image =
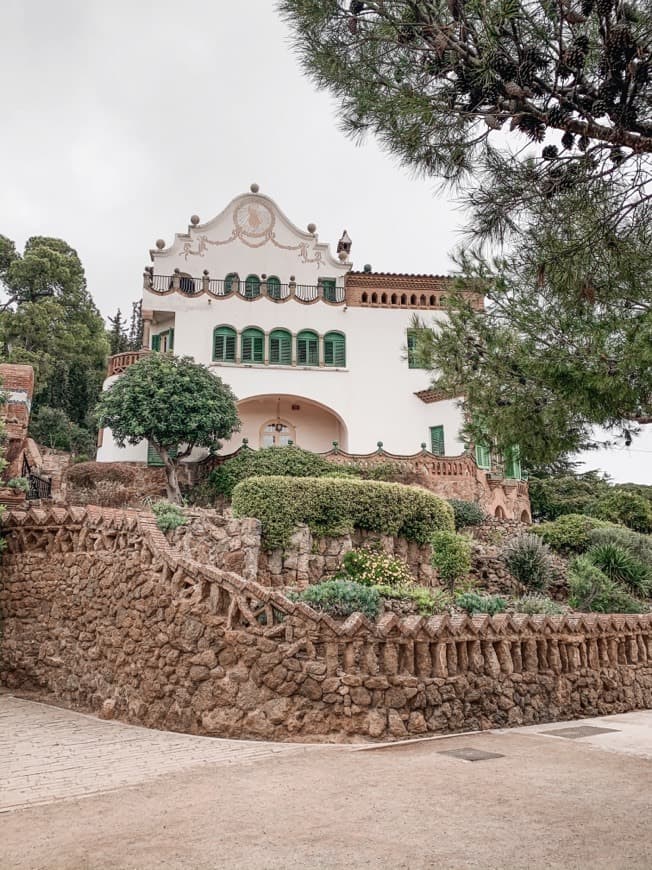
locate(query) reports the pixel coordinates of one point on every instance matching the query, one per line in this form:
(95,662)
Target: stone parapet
(98,608)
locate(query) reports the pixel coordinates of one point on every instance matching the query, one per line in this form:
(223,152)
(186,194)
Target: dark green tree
(173,403)
(49,320)
(541,115)
(117,333)
(135,337)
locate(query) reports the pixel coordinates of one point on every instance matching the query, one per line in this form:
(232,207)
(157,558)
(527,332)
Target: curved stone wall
(98,609)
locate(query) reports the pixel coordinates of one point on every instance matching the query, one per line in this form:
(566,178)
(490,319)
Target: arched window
(422,299)
(413,299)
(280,347)
(252,287)
(383,299)
(403,299)
(252,344)
(433,301)
(394,297)
(273,287)
(224,342)
(335,350)
(365,298)
(374,298)
(328,286)
(277,433)
(231,283)
(307,348)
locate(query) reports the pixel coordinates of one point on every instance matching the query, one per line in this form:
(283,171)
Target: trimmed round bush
(569,533)
(451,556)
(528,559)
(467,513)
(341,598)
(337,506)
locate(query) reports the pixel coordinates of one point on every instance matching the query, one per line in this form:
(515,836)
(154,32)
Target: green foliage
(372,569)
(640,546)
(467,513)
(427,601)
(341,598)
(50,322)
(335,506)
(51,427)
(458,90)
(534,604)
(451,556)
(169,401)
(168,516)
(529,560)
(628,508)
(569,533)
(550,497)
(19,483)
(289,461)
(620,565)
(474,602)
(591,590)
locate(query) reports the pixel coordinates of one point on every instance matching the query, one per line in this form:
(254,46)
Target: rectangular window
(329,289)
(483,456)
(224,347)
(253,348)
(437,440)
(513,464)
(412,349)
(308,352)
(156,342)
(280,349)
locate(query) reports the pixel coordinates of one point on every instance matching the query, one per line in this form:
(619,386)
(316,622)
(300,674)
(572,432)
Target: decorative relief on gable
(253,225)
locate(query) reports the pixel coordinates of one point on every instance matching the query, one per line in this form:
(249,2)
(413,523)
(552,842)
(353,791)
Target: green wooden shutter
(154,457)
(230,282)
(412,348)
(273,287)
(513,463)
(171,339)
(328,289)
(437,440)
(252,287)
(224,344)
(253,346)
(280,348)
(307,349)
(483,456)
(334,350)
(156,342)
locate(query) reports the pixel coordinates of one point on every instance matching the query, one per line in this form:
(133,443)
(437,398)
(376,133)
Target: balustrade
(233,286)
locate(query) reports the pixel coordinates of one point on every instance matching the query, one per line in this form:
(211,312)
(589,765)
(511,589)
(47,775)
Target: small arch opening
(525,517)
(374,299)
(413,299)
(403,299)
(365,298)
(394,298)
(433,301)
(499,513)
(383,299)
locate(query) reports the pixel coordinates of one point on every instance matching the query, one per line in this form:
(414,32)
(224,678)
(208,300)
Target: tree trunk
(171,479)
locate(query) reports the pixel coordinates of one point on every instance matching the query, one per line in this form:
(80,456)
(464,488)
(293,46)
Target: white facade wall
(371,400)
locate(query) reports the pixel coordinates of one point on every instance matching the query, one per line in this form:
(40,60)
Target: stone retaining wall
(100,610)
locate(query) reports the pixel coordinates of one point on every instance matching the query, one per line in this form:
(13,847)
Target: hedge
(337,506)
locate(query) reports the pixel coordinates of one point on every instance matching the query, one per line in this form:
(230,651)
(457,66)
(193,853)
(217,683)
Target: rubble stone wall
(99,609)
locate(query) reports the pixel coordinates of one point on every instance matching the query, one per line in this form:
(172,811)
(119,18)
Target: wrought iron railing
(246,289)
(39,487)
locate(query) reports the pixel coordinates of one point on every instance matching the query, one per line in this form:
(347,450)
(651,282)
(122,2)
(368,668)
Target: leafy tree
(117,334)
(170,401)
(53,428)
(49,321)
(135,337)
(552,497)
(449,86)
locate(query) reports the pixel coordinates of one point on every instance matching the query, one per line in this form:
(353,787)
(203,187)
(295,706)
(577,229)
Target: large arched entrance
(276,420)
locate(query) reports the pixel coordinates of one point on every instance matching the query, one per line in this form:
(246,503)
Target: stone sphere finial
(194,220)
(423,445)
(312,228)
(379,445)
(254,188)
(160,244)
(367,267)
(342,255)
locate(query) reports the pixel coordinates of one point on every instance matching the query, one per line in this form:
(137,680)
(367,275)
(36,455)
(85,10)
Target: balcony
(121,361)
(222,288)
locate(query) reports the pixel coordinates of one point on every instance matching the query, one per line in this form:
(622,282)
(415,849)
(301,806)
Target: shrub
(372,569)
(168,516)
(473,602)
(569,533)
(626,507)
(467,513)
(335,506)
(427,601)
(529,560)
(21,484)
(592,590)
(621,565)
(533,604)
(341,598)
(451,556)
(551,497)
(640,546)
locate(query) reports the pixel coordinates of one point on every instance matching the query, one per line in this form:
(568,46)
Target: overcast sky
(121,119)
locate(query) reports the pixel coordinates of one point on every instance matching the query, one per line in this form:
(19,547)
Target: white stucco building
(314,350)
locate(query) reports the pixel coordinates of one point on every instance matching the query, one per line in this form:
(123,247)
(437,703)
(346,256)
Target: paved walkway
(82,794)
(49,754)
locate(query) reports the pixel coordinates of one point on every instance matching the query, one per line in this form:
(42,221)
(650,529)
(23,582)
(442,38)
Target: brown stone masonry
(98,609)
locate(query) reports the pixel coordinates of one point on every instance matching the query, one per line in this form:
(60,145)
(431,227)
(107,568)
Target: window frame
(437,431)
(252,281)
(226,332)
(278,335)
(310,361)
(335,338)
(483,456)
(257,354)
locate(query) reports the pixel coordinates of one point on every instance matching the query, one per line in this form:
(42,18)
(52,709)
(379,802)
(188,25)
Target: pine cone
(557,116)
(550,152)
(583,143)
(568,140)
